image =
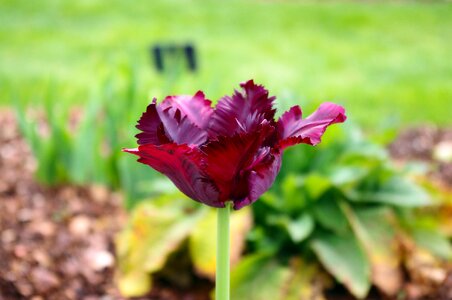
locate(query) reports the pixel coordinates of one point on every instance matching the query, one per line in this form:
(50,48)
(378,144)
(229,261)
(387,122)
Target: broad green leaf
(373,228)
(344,259)
(202,243)
(396,191)
(347,175)
(154,232)
(258,277)
(328,213)
(271,199)
(300,228)
(433,241)
(293,197)
(266,239)
(316,185)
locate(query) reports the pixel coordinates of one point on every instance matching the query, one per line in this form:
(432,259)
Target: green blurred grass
(382,60)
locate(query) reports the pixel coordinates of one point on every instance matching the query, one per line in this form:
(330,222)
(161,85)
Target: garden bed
(58,243)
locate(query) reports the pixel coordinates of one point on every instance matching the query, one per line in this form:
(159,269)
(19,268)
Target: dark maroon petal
(242,112)
(197,108)
(261,176)
(181,164)
(226,157)
(179,128)
(293,129)
(151,127)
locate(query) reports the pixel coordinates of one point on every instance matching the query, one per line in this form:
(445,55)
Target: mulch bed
(58,243)
(55,243)
(426,144)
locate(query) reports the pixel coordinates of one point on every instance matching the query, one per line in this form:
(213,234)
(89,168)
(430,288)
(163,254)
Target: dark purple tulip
(228,153)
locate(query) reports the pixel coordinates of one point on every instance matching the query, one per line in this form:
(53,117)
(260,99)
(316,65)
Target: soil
(58,243)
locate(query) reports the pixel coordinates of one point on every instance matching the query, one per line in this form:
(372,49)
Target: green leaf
(153,233)
(202,242)
(364,153)
(328,213)
(316,185)
(347,175)
(293,197)
(139,182)
(300,228)
(344,259)
(258,277)
(86,142)
(433,241)
(396,191)
(375,232)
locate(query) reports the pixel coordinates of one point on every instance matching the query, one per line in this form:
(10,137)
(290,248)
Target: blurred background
(367,214)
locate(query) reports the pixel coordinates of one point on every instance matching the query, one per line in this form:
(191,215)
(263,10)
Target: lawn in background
(382,60)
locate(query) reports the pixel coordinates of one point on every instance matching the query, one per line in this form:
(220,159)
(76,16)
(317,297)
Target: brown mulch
(424,144)
(57,243)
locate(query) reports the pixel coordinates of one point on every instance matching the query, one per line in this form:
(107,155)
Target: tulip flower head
(230,152)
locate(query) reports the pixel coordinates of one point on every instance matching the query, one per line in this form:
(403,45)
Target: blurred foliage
(159,227)
(366,54)
(340,207)
(345,204)
(82,145)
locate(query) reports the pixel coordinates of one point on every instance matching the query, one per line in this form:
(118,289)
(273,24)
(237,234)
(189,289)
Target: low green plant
(82,145)
(172,223)
(342,208)
(342,212)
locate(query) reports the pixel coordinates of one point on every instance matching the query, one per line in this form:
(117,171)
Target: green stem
(222,275)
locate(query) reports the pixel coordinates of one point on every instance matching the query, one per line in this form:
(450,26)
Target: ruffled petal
(261,177)
(151,127)
(197,108)
(292,129)
(181,164)
(179,128)
(243,112)
(227,157)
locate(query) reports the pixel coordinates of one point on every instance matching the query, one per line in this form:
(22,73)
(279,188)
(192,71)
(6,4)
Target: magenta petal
(293,129)
(181,164)
(197,108)
(179,128)
(261,178)
(242,112)
(151,127)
